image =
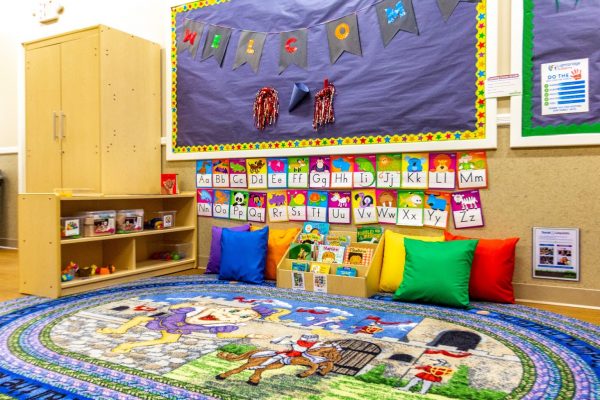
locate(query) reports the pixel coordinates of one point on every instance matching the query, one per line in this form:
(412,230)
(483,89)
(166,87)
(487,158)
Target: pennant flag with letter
(250,48)
(216,43)
(189,37)
(395,16)
(293,49)
(342,35)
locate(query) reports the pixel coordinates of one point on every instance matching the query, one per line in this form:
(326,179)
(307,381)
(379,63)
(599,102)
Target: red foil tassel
(324,113)
(266,107)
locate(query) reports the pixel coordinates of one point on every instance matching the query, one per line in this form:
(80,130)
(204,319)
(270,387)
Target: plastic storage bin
(98,223)
(130,221)
(171,251)
(161,220)
(71,227)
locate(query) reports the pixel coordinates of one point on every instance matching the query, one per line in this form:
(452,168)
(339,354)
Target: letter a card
(437,209)
(277,172)
(410,208)
(257,207)
(365,174)
(221,202)
(472,170)
(414,170)
(298,172)
(442,171)
(257,173)
(363,206)
(237,173)
(277,206)
(339,207)
(466,209)
(297,204)
(341,172)
(389,171)
(204,174)
(387,206)
(204,199)
(320,172)
(220,173)
(239,205)
(316,209)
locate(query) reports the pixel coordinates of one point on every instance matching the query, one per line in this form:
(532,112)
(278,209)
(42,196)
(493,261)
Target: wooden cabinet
(43,254)
(93,113)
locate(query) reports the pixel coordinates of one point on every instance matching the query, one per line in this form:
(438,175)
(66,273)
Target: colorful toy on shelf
(106,270)
(68,273)
(86,271)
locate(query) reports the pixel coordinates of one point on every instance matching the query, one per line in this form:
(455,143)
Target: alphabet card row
(438,171)
(362,206)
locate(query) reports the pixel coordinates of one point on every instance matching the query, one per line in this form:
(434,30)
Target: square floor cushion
(437,272)
(214,259)
(393,259)
(243,255)
(279,242)
(493,267)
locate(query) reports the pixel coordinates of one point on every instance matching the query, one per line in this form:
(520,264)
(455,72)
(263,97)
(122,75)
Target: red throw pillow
(492,270)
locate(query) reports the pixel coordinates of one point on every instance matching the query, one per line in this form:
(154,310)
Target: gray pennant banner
(216,43)
(188,38)
(249,50)
(447,7)
(342,35)
(293,49)
(395,16)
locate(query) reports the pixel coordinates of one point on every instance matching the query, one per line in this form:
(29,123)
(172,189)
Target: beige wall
(8,201)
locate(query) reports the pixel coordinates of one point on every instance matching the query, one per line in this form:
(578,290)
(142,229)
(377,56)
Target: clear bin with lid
(71,227)
(98,223)
(160,220)
(129,221)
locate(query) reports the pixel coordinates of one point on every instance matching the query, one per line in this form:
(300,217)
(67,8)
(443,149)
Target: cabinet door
(80,125)
(42,102)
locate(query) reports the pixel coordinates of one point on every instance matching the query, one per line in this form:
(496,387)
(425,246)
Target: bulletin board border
(483,137)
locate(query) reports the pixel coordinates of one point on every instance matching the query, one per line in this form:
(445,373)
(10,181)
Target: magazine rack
(365,284)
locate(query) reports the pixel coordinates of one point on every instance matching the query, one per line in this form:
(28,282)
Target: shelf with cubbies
(137,254)
(365,284)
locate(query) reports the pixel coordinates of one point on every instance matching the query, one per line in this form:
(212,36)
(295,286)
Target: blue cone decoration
(299,93)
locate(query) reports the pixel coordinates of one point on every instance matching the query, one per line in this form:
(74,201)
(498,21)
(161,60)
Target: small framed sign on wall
(556,253)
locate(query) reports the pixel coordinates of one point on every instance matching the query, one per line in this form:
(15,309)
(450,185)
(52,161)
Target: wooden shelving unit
(43,254)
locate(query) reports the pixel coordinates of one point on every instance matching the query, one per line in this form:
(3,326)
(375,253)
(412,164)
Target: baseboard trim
(552,303)
(557,295)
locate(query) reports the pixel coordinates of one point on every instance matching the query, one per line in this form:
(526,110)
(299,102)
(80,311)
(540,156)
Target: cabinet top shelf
(116,197)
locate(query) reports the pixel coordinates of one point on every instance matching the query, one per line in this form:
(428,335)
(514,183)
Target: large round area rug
(189,337)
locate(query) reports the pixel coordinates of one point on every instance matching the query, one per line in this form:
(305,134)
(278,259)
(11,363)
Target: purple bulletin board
(421,91)
(555,32)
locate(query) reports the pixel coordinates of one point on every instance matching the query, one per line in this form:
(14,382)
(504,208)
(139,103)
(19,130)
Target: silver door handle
(54,117)
(62,125)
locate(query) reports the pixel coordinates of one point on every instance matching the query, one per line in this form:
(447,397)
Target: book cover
(237,173)
(358,256)
(387,206)
(257,207)
(389,171)
(338,240)
(204,174)
(239,205)
(319,268)
(316,209)
(221,202)
(369,234)
(204,199)
(319,228)
(169,184)
(300,251)
(298,172)
(220,172)
(466,209)
(320,172)
(342,168)
(331,254)
(277,206)
(312,238)
(339,207)
(296,199)
(299,266)
(365,173)
(414,170)
(437,209)
(410,207)
(257,173)
(277,172)
(472,170)
(363,206)
(442,171)
(346,271)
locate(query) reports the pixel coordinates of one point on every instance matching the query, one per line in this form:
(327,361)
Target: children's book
(300,251)
(346,271)
(320,228)
(338,240)
(369,234)
(299,266)
(331,254)
(358,256)
(310,238)
(169,184)
(319,268)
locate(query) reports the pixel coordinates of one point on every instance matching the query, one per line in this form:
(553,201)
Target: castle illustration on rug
(268,348)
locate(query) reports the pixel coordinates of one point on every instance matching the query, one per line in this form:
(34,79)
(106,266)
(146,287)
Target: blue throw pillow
(244,255)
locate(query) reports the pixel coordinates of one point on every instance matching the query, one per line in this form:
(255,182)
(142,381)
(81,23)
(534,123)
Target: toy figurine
(68,273)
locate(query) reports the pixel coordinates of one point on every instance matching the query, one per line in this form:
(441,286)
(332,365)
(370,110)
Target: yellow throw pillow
(394,255)
(279,242)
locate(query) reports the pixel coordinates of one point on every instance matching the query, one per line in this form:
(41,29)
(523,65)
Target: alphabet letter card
(277,172)
(339,207)
(220,170)
(365,174)
(239,205)
(387,206)
(341,172)
(203,173)
(442,170)
(277,206)
(437,209)
(414,170)
(320,172)
(257,173)
(298,172)
(221,203)
(472,170)
(466,209)
(410,208)
(296,204)
(204,199)
(237,173)
(363,206)
(316,209)
(257,207)
(389,171)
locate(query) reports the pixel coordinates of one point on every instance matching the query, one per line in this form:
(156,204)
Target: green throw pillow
(437,272)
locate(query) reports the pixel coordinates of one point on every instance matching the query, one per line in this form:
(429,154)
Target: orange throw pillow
(279,242)
(492,270)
